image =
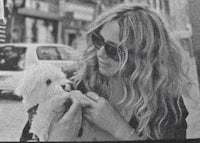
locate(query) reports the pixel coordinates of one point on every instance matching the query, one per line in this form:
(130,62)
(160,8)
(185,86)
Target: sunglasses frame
(110,47)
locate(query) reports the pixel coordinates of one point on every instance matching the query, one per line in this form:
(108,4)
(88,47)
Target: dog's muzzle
(68,87)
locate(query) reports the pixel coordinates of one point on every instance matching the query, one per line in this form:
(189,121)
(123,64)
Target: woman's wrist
(125,132)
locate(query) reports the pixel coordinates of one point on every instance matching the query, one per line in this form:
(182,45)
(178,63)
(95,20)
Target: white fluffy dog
(40,83)
(46,86)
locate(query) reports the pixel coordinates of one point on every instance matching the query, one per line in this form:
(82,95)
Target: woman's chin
(106,72)
(103,71)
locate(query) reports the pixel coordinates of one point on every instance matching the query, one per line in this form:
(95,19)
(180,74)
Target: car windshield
(12,58)
(54,53)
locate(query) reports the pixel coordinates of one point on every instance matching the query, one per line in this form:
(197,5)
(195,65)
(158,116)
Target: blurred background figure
(11,59)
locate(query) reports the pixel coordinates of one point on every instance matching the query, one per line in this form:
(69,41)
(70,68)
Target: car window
(12,58)
(53,53)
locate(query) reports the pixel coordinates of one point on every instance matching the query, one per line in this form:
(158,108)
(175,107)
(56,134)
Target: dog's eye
(48,82)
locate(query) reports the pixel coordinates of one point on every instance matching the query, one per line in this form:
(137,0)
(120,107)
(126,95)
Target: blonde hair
(150,68)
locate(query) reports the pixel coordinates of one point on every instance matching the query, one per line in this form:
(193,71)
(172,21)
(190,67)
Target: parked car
(15,58)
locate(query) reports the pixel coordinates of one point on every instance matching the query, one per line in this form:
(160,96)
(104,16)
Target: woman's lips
(103,63)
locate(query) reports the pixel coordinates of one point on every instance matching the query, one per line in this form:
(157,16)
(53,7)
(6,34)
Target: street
(12,119)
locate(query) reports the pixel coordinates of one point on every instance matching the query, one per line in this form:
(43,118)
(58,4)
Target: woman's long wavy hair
(150,68)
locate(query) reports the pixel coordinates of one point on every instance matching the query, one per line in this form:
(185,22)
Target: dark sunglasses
(110,47)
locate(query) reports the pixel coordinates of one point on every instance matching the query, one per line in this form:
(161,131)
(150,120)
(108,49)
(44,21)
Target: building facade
(33,21)
(49,21)
(76,16)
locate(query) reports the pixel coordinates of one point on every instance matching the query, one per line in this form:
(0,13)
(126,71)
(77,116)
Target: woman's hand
(99,112)
(68,126)
(102,114)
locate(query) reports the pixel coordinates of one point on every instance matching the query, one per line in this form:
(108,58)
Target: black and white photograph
(100,70)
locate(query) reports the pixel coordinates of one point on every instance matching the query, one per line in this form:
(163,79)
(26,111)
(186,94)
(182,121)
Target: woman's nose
(101,52)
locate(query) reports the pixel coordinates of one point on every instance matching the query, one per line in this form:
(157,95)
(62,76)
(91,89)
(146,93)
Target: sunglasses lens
(111,51)
(97,41)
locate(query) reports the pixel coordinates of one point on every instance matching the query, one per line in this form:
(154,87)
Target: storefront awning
(38,14)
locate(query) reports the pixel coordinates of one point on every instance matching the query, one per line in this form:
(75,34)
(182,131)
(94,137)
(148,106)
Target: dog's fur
(42,85)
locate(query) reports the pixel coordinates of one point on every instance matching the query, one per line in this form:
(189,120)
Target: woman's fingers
(73,110)
(87,117)
(87,113)
(93,96)
(84,100)
(68,127)
(75,93)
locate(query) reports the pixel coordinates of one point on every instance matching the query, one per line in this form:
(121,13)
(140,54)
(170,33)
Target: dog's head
(40,83)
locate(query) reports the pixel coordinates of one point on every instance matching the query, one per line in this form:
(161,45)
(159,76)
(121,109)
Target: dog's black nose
(63,86)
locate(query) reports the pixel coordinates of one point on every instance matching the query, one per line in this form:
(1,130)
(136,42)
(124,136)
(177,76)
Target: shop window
(148,2)
(34,31)
(167,9)
(72,37)
(161,4)
(154,4)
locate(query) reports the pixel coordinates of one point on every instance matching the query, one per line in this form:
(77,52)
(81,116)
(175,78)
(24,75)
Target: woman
(132,68)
